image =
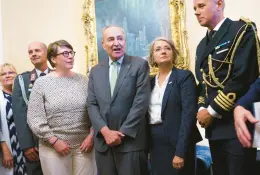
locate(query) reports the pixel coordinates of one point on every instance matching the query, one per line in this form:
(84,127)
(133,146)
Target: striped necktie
(113,77)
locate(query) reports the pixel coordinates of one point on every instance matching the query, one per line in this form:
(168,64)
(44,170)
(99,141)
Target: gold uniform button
(203,82)
(201,70)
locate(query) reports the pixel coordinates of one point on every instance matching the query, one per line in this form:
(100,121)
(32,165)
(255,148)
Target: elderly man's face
(114,42)
(37,53)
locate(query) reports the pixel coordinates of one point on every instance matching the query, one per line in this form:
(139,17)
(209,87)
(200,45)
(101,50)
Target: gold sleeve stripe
(221,105)
(220,98)
(226,97)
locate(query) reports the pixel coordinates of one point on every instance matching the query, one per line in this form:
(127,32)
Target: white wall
(25,21)
(1,35)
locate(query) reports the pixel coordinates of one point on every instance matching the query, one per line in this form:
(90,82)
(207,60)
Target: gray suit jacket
(125,110)
(25,136)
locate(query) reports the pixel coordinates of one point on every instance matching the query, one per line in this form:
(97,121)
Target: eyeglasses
(66,53)
(7,73)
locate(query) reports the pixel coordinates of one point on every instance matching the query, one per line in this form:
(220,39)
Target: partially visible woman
(13,161)
(172,113)
(57,114)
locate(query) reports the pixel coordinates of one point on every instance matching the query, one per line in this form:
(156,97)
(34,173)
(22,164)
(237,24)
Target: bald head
(38,55)
(40,44)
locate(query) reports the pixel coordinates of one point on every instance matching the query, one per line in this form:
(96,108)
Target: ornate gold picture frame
(177,25)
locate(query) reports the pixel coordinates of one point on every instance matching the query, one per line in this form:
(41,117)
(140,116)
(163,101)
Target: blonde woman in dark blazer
(172,113)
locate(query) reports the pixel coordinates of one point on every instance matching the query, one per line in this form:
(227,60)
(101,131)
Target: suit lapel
(125,67)
(216,39)
(104,78)
(172,80)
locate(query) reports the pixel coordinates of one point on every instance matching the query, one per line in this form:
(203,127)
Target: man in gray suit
(22,88)
(118,96)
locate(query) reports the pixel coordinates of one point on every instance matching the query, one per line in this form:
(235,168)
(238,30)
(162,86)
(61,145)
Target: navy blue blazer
(253,95)
(179,109)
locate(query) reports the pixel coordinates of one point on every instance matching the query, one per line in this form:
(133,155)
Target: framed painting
(142,20)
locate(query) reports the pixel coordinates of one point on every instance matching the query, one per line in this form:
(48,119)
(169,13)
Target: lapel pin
(33,77)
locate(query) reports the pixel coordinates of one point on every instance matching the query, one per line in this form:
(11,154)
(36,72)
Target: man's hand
(7,159)
(204,118)
(177,162)
(241,115)
(87,144)
(112,137)
(32,154)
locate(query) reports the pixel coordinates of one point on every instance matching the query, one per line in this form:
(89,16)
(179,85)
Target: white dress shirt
(38,72)
(119,61)
(155,106)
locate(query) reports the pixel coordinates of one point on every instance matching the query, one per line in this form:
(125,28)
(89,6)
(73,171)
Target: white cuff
(213,112)
(2,137)
(201,108)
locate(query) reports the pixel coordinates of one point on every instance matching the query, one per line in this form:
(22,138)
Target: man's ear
(103,45)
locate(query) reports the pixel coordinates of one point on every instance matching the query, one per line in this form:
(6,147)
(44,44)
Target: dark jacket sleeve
(93,108)
(253,95)
(189,111)
(24,133)
(140,103)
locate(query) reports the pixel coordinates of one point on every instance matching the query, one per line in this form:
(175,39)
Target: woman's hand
(7,161)
(87,144)
(60,146)
(177,162)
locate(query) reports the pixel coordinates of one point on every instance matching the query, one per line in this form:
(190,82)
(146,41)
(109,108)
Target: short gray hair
(109,26)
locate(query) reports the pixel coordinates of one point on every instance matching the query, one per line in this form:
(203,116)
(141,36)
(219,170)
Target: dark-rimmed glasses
(66,53)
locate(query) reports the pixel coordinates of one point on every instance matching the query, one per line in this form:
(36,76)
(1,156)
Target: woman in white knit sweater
(57,114)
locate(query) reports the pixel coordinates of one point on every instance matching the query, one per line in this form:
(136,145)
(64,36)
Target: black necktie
(211,34)
(42,74)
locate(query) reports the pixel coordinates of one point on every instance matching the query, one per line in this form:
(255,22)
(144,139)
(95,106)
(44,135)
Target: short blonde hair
(8,65)
(175,52)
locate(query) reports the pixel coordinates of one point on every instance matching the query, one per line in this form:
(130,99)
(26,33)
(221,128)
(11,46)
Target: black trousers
(231,158)
(33,168)
(163,152)
(121,163)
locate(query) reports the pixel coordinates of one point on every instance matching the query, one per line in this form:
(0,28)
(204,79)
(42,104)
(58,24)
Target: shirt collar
(38,72)
(166,79)
(120,60)
(219,24)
